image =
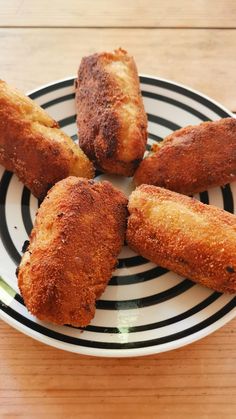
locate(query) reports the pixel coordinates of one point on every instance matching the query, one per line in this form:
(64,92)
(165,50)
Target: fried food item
(74,245)
(111,119)
(179,233)
(193,159)
(32,145)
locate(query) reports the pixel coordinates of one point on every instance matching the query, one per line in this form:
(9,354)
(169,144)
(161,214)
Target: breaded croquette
(111,119)
(32,145)
(193,159)
(179,233)
(74,245)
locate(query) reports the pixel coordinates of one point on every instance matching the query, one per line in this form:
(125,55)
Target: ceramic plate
(145,309)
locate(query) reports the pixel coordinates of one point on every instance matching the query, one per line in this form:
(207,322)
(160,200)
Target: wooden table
(189,42)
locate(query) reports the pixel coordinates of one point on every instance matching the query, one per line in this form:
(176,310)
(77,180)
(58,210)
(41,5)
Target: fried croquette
(32,145)
(179,233)
(111,120)
(74,245)
(193,159)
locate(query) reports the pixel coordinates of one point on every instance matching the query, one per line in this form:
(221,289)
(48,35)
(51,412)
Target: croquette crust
(179,233)
(32,145)
(193,159)
(111,118)
(78,234)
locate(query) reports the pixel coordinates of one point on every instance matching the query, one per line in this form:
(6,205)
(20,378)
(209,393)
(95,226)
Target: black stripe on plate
(52,88)
(58,100)
(148,81)
(175,319)
(138,277)
(146,301)
(132,261)
(138,302)
(153,118)
(154,137)
(74,137)
(192,95)
(127,279)
(163,122)
(176,103)
(150,135)
(19,299)
(150,95)
(228,198)
(67,121)
(204,198)
(112,345)
(25,213)
(4,233)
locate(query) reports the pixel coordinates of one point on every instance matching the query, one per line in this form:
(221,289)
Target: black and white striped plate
(145,309)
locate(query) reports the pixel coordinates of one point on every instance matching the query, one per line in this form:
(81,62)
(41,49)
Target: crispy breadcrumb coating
(33,146)
(179,233)
(74,245)
(193,159)
(111,119)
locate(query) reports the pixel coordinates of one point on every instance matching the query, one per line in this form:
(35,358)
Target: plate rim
(130,352)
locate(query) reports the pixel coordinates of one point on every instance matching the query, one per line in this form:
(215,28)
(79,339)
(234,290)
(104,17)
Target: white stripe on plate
(70,129)
(141,289)
(126,320)
(158,129)
(215,197)
(5,297)
(47,97)
(233,190)
(58,111)
(14,220)
(193,103)
(176,114)
(33,207)
(138,316)
(132,270)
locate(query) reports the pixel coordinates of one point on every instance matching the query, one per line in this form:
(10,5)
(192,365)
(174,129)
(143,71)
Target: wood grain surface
(196,381)
(186,41)
(122,13)
(202,59)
